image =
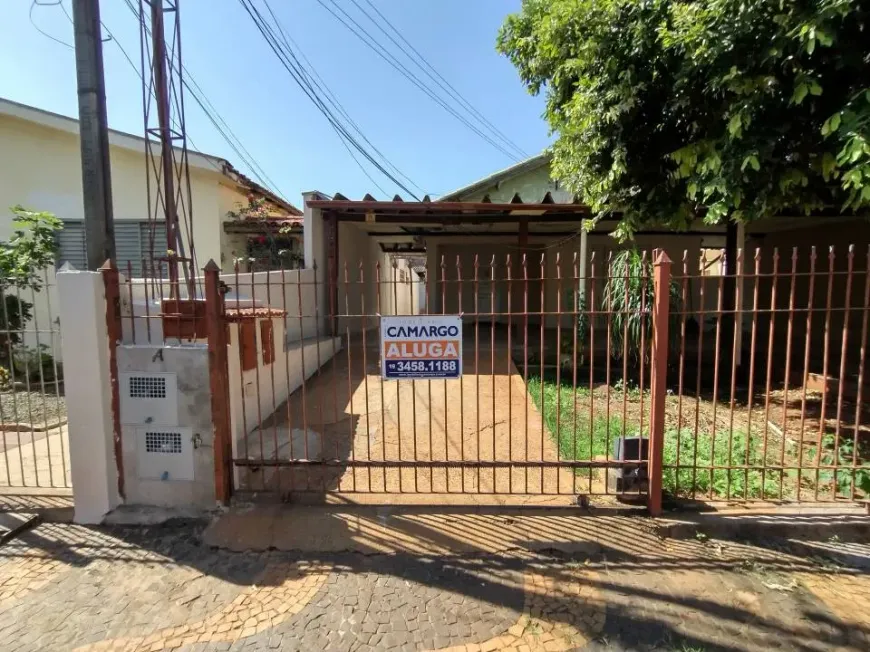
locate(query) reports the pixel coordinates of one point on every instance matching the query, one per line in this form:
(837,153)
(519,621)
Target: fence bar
(113,328)
(662,282)
(218,369)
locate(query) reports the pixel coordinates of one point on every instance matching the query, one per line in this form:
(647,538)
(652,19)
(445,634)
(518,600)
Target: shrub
(629,293)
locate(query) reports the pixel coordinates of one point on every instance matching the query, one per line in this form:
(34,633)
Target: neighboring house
(42,171)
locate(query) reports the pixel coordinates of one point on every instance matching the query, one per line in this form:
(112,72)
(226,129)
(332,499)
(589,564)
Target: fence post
(216,327)
(661,286)
(113,327)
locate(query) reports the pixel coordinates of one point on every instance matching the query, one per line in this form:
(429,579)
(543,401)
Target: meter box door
(149,398)
(164,453)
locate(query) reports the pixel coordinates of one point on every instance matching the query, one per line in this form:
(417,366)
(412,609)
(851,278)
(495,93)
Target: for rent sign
(423,346)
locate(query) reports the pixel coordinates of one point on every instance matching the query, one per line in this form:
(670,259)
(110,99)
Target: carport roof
(399,210)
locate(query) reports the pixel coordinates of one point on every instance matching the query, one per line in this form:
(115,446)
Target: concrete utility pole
(93,134)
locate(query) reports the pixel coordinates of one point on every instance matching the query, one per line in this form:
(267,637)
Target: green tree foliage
(723,109)
(23,259)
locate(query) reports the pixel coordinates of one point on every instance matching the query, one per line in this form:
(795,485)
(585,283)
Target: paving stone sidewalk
(67,587)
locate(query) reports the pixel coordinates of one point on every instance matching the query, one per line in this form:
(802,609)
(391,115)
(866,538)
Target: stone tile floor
(69,587)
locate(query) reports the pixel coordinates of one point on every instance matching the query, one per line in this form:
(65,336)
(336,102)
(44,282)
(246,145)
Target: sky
(281,128)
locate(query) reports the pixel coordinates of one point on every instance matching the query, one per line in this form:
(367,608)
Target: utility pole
(166,151)
(93,134)
(161,90)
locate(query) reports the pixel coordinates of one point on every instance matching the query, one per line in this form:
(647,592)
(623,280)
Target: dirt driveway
(347,413)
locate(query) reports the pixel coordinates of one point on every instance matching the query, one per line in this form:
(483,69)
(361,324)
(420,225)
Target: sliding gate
(540,407)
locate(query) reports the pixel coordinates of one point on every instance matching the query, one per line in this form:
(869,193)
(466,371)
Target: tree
(670,111)
(23,260)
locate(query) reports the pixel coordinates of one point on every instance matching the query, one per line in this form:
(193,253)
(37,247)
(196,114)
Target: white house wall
(41,170)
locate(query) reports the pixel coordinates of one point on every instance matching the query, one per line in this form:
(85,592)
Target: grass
(580,437)
(704,452)
(560,409)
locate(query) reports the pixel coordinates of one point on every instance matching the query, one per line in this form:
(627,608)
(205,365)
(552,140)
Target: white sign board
(421,346)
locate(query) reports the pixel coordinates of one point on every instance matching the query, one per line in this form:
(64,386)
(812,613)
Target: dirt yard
(346,413)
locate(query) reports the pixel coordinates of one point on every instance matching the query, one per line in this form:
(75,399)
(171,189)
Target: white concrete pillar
(314,246)
(85,346)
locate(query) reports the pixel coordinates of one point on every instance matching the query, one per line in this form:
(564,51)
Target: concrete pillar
(314,247)
(85,346)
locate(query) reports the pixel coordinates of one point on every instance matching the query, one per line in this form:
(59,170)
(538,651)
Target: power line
(438,78)
(387,56)
(307,84)
(217,121)
(318,81)
(135,68)
(302,81)
(34,5)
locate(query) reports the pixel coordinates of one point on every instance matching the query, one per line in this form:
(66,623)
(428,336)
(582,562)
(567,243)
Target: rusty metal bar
(383,401)
(789,332)
(288,401)
(719,294)
(257,366)
(53,330)
(218,368)
(735,338)
(305,436)
(492,294)
(393,266)
(681,368)
(860,394)
(842,375)
(429,387)
(770,340)
(661,288)
(558,433)
(591,364)
(752,348)
(364,328)
(351,424)
(825,359)
(113,329)
(575,288)
(526,363)
(508,267)
(542,354)
(806,369)
(414,396)
(459,281)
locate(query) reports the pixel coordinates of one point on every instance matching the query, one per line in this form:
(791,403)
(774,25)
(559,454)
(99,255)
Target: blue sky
(275,121)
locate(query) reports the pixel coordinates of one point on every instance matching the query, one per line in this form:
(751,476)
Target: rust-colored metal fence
(33,416)
(777,409)
(629,375)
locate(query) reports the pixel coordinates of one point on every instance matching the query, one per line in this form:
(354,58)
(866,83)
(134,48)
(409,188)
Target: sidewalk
(609,583)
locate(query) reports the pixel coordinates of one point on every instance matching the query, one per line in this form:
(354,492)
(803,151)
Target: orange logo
(416,349)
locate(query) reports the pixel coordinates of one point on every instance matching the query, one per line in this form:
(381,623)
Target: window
(132,243)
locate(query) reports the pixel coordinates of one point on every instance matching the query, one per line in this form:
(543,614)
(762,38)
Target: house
(522,213)
(46,176)
(41,170)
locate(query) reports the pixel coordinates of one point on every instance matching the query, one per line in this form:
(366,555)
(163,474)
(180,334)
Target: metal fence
(776,410)
(629,375)
(33,414)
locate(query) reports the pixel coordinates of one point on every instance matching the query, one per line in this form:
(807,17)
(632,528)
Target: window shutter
(71,245)
(127,247)
(132,243)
